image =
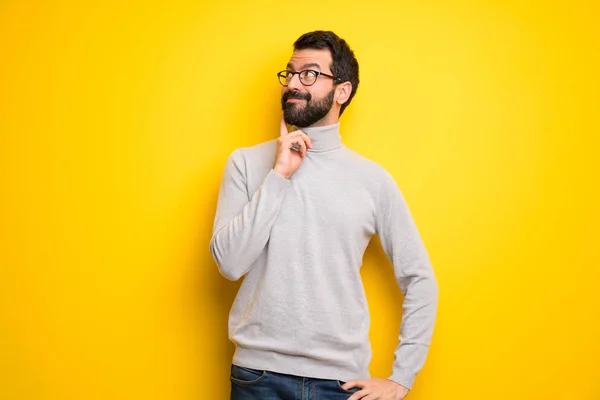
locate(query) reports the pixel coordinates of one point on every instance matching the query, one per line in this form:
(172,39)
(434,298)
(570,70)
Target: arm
(242,223)
(402,243)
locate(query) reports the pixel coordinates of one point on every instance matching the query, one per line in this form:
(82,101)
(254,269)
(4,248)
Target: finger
(299,142)
(307,139)
(283,127)
(302,145)
(361,394)
(288,143)
(353,384)
(371,396)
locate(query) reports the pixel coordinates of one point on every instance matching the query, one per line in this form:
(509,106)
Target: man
(294,217)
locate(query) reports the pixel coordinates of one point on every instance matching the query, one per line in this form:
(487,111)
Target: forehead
(310,58)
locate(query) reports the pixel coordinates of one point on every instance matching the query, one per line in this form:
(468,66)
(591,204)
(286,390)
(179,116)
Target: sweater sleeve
(242,223)
(402,244)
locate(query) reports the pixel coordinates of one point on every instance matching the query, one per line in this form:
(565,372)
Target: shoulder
(367,169)
(258,154)
(379,181)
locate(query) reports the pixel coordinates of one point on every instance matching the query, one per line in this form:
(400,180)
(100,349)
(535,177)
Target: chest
(330,202)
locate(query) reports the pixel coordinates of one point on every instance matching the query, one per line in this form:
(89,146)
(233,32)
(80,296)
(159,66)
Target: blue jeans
(252,384)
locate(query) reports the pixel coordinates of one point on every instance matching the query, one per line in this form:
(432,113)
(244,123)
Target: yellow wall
(115,123)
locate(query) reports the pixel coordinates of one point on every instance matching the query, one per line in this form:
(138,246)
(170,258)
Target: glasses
(307,77)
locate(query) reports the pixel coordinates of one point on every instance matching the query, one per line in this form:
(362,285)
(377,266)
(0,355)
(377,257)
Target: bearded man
(294,217)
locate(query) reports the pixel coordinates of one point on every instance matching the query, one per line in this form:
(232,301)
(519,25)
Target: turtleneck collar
(324,138)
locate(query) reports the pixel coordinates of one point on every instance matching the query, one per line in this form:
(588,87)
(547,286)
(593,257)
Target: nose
(294,83)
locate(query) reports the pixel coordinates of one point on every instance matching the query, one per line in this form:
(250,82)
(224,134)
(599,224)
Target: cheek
(314,94)
(319,92)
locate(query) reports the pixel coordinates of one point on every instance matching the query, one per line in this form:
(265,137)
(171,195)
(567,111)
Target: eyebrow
(305,66)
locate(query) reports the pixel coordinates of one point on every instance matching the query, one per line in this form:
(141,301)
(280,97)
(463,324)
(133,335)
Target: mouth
(294,100)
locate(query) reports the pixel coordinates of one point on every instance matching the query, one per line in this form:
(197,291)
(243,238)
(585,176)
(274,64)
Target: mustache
(295,95)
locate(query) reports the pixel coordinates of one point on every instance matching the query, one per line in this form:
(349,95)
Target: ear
(342,92)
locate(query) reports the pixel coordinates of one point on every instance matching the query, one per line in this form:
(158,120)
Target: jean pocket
(246,376)
(341,383)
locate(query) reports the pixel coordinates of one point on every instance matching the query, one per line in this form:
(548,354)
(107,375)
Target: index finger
(353,384)
(283,127)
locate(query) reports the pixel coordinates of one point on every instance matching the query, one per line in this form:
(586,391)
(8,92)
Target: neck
(324,138)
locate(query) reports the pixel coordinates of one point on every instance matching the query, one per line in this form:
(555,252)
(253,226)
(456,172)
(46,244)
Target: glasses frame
(282,75)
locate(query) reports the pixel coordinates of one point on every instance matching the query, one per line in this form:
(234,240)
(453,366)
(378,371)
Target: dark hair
(344,64)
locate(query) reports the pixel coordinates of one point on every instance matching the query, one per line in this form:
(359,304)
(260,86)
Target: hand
(288,160)
(376,389)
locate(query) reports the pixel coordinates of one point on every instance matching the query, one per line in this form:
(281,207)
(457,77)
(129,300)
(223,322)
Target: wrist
(281,173)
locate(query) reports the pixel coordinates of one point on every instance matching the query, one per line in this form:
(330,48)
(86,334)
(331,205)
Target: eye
(308,74)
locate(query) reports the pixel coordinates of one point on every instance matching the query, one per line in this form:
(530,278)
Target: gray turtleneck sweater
(299,244)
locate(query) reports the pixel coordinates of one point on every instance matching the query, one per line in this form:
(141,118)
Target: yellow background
(116,119)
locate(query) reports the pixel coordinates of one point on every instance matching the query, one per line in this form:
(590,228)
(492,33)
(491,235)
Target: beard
(313,111)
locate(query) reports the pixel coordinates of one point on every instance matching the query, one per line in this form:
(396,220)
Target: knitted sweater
(299,244)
